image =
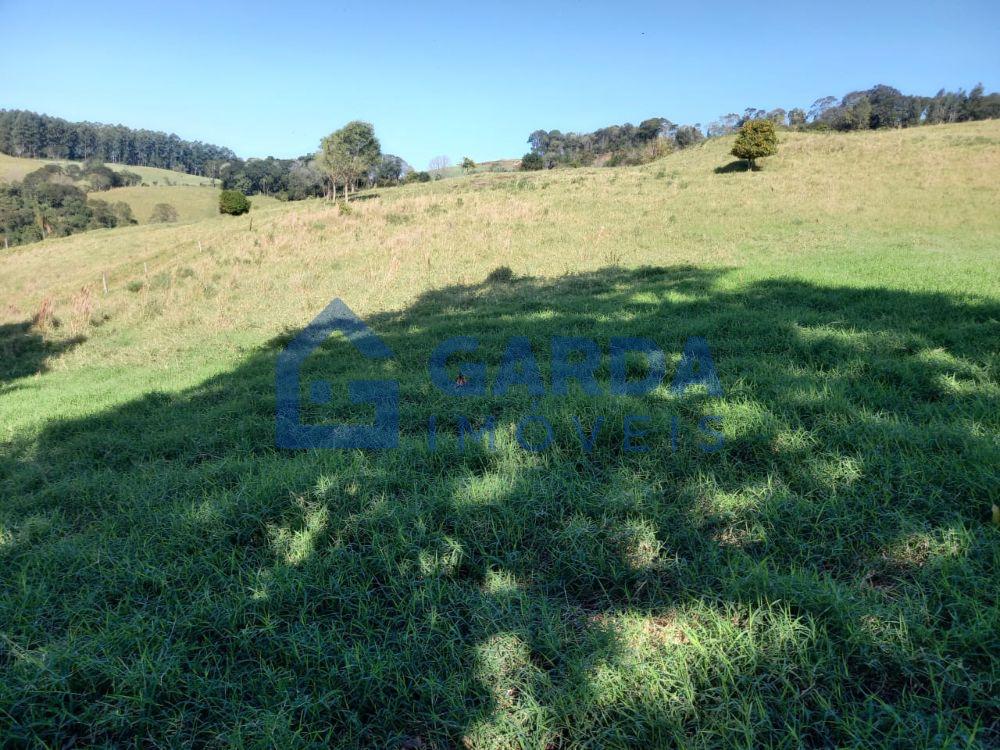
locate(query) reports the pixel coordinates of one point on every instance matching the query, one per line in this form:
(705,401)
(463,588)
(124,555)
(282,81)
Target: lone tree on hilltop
(757,138)
(468,165)
(347,154)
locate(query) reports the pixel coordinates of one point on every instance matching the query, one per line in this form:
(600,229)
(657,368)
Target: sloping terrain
(192,203)
(194,197)
(826,578)
(13,168)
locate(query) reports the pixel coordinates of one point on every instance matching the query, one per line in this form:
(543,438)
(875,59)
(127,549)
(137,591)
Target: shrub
(163,213)
(101,215)
(233,202)
(757,138)
(531,162)
(500,275)
(123,212)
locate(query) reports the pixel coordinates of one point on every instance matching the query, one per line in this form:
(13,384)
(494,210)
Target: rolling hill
(193,203)
(194,197)
(825,578)
(13,168)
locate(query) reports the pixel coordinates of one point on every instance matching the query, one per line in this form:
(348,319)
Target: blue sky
(466,78)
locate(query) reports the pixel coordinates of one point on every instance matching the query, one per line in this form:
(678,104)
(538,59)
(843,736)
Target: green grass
(194,197)
(192,203)
(13,168)
(827,579)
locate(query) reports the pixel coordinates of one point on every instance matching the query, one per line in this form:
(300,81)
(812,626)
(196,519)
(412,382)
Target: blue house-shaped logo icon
(384,394)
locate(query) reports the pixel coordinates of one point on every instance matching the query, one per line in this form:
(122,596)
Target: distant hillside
(497,165)
(44,199)
(13,169)
(192,202)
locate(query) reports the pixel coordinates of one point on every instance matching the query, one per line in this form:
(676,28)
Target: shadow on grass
(740,165)
(24,351)
(362,196)
(171,577)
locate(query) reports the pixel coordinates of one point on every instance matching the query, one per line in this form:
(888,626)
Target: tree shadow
(170,576)
(740,165)
(24,351)
(365,195)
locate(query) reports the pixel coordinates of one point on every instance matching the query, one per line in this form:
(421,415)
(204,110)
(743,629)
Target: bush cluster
(233,202)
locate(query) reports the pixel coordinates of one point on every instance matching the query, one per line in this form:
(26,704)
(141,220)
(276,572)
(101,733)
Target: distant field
(192,196)
(13,168)
(828,578)
(192,203)
(499,165)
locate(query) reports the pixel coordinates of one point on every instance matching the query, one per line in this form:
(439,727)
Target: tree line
(311,176)
(624,144)
(32,135)
(878,107)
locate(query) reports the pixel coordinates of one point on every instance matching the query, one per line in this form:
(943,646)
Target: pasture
(827,578)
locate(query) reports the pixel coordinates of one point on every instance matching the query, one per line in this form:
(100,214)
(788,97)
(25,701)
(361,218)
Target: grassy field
(192,203)
(486,167)
(194,197)
(13,168)
(828,578)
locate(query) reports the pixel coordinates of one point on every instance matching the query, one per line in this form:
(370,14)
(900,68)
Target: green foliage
(757,139)
(18,219)
(390,170)
(104,215)
(626,144)
(688,135)
(163,213)
(293,179)
(468,164)
(828,579)
(47,204)
(94,175)
(24,133)
(99,176)
(644,154)
(123,213)
(347,154)
(500,275)
(233,202)
(101,215)
(531,162)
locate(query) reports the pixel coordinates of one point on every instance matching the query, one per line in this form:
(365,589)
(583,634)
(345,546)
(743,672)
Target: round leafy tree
(233,202)
(531,161)
(757,139)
